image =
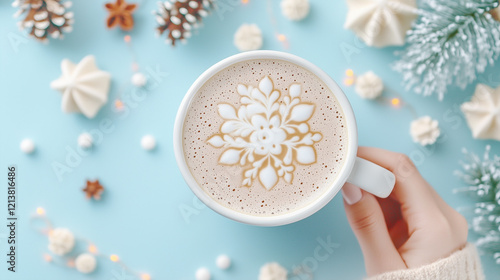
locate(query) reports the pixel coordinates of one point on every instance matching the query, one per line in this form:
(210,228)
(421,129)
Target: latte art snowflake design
(266,135)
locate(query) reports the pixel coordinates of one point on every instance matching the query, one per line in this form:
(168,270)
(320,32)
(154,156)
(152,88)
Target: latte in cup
(264,137)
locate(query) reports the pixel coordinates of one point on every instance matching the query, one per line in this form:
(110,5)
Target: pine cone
(178,18)
(45,17)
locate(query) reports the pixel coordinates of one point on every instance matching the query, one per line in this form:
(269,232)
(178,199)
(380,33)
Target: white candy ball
(139,80)
(61,241)
(223,262)
(85,263)
(203,274)
(295,9)
(148,142)
(85,140)
(248,37)
(27,146)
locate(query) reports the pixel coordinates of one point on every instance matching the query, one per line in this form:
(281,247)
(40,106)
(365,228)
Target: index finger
(411,189)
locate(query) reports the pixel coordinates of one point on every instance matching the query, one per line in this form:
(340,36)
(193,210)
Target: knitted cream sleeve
(461,265)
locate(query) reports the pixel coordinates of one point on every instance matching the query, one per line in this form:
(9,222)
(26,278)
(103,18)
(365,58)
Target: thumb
(367,221)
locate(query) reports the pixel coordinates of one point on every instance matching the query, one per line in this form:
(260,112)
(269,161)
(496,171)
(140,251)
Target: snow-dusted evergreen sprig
(450,43)
(178,18)
(482,177)
(44,18)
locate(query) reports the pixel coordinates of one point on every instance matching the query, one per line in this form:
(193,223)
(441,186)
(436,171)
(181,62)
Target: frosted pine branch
(482,177)
(450,43)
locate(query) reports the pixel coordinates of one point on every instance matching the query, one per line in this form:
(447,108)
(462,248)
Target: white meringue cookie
(83,86)
(61,241)
(248,37)
(425,131)
(483,113)
(381,23)
(273,271)
(85,263)
(369,85)
(295,9)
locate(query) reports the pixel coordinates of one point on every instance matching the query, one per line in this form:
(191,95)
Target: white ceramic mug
(367,175)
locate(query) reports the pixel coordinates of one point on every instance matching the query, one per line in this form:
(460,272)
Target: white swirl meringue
(248,37)
(369,85)
(85,263)
(483,113)
(61,241)
(273,271)
(83,86)
(381,23)
(295,9)
(425,131)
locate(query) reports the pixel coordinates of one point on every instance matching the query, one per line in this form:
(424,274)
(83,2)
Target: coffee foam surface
(270,192)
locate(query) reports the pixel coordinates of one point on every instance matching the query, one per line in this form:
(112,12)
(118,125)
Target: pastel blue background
(139,216)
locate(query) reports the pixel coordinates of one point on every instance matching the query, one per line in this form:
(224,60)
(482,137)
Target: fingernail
(351,193)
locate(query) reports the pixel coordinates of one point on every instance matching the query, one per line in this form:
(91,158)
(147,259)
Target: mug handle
(372,178)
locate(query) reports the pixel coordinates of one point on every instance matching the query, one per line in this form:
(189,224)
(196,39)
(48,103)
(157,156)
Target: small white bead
(85,263)
(148,142)
(223,262)
(202,274)
(85,140)
(27,146)
(139,79)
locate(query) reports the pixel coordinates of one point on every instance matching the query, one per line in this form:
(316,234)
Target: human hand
(410,228)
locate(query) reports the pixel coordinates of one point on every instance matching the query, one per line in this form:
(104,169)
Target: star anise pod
(121,14)
(93,190)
